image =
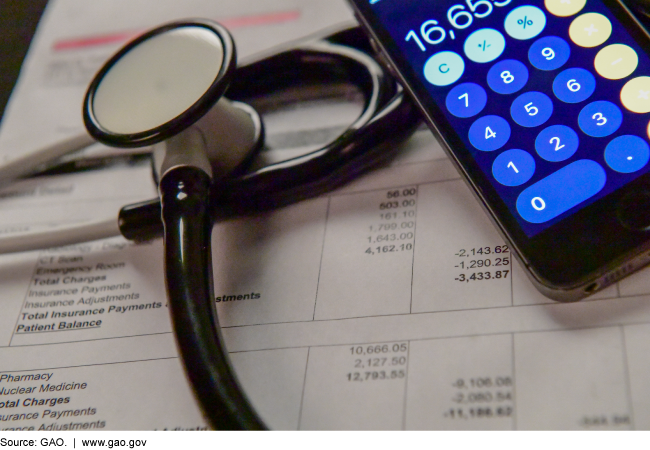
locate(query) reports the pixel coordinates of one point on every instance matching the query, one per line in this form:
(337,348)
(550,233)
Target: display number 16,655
(459,17)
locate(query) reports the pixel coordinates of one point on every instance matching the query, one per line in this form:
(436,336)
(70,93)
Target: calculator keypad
(566,180)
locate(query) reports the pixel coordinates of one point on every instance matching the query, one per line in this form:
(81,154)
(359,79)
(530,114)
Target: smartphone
(544,107)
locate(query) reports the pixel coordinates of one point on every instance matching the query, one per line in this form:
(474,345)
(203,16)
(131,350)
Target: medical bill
(391,303)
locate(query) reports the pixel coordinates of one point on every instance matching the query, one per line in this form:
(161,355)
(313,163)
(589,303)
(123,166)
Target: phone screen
(551,99)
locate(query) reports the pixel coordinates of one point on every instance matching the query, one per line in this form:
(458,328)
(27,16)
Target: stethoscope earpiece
(167,85)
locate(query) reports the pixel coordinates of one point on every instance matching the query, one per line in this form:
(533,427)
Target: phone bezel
(586,245)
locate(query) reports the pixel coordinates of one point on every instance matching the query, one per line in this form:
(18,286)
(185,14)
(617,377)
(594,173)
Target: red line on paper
(234,22)
(94,41)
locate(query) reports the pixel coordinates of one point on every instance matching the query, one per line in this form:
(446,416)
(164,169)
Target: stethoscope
(165,89)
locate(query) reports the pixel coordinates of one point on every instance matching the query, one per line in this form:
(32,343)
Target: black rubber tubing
(185,193)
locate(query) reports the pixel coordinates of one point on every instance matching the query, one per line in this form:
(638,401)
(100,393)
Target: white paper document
(391,303)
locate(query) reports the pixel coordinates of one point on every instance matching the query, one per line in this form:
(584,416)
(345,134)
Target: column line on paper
(304,384)
(406,386)
(514,382)
(628,381)
(320,267)
(415,239)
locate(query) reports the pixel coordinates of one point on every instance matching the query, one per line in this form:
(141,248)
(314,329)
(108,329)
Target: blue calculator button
(507,77)
(557,143)
(574,85)
(600,119)
(466,100)
(489,133)
(513,167)
(549,53)
(561,191)
(627,154)
(531,109)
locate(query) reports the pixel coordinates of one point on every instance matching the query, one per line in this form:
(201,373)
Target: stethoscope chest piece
(169,83)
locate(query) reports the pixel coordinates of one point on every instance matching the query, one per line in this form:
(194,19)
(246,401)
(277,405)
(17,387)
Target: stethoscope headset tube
(195,191)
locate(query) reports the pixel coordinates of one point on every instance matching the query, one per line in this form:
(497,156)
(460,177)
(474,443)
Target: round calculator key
(489,133)
(616,61)
(513,167)
(564,8)
(444,68)
(531,109)
(466,100)
(525,22)
(590,30)
(635,95)
(574,85)
(600,119)
(627,154)
(557,143)
(507,77)
(484,45)
(549,53)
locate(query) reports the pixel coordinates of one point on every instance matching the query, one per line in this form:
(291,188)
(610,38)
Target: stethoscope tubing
(189,205)
(188,277)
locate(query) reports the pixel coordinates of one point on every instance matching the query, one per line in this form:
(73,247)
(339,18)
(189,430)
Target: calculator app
(551,98)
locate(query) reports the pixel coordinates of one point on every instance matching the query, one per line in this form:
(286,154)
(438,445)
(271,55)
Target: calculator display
(550,98)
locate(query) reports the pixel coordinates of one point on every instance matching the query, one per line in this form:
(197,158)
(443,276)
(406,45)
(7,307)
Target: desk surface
(18,20)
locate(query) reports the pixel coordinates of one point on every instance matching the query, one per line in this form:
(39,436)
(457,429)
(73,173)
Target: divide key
(561,191)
